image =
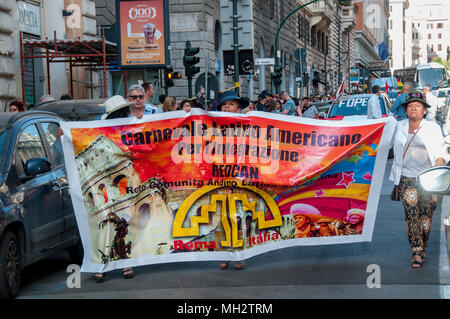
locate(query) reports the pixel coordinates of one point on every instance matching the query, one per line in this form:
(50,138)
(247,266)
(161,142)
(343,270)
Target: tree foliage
(445,63)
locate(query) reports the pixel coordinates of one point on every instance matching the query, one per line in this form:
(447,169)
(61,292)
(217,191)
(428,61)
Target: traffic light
(177,75)
(277,74)
(190,60)
(169,77)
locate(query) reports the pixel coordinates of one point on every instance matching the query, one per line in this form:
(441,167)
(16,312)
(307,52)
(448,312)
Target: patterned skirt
(419,207)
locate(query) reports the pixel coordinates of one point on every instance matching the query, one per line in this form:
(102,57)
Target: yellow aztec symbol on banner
(228,205)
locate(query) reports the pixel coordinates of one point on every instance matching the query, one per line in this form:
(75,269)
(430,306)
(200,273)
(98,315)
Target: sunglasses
(135,97)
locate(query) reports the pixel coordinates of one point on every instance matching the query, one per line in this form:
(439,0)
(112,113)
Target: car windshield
(442,94)
(353,106)
(434,77)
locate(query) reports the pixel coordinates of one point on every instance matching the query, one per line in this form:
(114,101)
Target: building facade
(397,31)
(372,18)
(324,32)
(41,20)
(207,24)
(427,31)
(342,44)
(314,34)
(8,66)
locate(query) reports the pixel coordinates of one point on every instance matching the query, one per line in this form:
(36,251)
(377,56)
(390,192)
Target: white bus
(419,75)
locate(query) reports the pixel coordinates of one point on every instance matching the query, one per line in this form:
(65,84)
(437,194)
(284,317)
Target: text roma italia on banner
(221,186)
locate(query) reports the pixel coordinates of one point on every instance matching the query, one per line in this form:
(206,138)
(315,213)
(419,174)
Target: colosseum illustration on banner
(116,200)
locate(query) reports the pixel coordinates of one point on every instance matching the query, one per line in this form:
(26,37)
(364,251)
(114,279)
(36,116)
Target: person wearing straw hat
(116,107)
(418,145)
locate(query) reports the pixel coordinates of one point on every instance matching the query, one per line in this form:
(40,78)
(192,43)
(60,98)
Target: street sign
(200,88)
(354,75)
(265,61)
(376,65)
(300,67)
(300,54)
(246,65)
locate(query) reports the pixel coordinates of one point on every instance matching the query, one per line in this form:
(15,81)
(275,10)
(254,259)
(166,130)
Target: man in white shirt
(431,99)
(373,106)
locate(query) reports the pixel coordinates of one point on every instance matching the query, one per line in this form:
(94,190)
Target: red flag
(387,88)
(341,89)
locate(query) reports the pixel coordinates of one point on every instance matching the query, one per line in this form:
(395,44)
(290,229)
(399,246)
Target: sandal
(99,277)
(416,263)
(224,264)
(239,265)
(128,273)
(423,257)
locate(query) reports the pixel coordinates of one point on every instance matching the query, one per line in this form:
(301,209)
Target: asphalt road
(319,272)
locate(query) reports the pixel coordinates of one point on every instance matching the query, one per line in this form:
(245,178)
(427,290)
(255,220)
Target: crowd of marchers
(418,141)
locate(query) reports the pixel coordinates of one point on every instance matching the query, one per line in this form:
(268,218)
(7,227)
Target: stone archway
(121,182)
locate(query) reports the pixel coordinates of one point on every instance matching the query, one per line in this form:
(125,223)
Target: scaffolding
(90,53)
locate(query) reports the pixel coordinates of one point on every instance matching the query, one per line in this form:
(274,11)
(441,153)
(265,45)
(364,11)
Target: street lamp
(276,67)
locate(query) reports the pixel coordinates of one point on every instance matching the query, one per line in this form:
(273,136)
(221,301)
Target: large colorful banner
(183,186)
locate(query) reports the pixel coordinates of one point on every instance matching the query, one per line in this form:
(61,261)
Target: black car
(36,213)
(74,110)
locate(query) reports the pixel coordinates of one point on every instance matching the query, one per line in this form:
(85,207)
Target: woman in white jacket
(418,145)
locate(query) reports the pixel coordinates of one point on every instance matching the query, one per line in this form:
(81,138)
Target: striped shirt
(310,112)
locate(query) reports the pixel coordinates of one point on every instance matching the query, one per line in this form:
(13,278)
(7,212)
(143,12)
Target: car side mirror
(435,180)
(321,115)
(36,166)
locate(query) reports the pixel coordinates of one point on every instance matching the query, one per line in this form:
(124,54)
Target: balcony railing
(324,7)
(348,17)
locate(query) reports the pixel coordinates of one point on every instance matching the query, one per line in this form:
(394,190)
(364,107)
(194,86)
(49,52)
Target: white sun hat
(115,103)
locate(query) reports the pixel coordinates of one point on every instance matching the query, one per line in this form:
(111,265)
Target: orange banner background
(153,158)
